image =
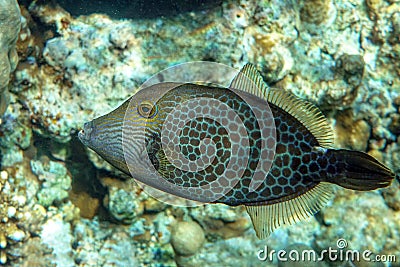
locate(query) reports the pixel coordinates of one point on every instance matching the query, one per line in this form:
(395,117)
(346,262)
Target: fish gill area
(62,205)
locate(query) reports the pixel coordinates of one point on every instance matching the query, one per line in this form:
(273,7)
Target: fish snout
(84,134)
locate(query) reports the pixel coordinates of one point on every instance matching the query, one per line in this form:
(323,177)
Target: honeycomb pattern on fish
(296,167)
(199,129)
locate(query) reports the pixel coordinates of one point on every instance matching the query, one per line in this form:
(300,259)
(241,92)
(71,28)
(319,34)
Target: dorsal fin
(305,112)
(266,218)
(250,80)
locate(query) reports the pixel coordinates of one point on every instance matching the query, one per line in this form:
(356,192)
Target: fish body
(291,150)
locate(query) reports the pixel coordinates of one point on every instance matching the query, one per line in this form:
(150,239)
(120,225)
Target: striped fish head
(85,134)
(119,137)
(103,135)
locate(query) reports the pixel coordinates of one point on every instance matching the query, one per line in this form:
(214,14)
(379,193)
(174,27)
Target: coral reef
(61,205)
(10,21)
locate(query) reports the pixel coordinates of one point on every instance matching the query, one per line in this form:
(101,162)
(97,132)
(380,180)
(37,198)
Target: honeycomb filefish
(297,180)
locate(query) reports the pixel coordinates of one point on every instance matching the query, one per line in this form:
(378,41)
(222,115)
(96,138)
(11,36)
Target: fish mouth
(84,134)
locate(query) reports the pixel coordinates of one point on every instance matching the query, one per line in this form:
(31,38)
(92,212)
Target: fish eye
(147,110)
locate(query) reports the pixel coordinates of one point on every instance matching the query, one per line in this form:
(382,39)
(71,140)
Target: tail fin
(359,171)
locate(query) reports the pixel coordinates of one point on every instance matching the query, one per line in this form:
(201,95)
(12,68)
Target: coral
(236,16)
(394,38)
(10,25)
(392,155)
(23,220)
(11,212)
(124,201)
(15,137)
(374,7)
(102,244)
(359,220)
(66,59)
(351,67)
(221,221)
(270,53)
(56,234)
(392,196)
(33,253)
(55,181)
(317,12)
(394,126)
(350,133)
(123,205)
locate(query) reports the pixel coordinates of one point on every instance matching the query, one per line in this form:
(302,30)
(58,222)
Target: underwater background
(72,61)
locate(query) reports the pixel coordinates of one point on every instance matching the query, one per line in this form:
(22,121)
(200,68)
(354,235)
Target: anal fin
(266,218)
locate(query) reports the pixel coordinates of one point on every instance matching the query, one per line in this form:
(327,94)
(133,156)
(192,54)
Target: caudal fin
(359,171)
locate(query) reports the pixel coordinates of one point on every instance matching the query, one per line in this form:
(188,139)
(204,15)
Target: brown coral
(350,133)
(317,12)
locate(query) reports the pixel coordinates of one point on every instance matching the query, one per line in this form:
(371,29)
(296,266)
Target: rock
(187,238)
(10,23)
